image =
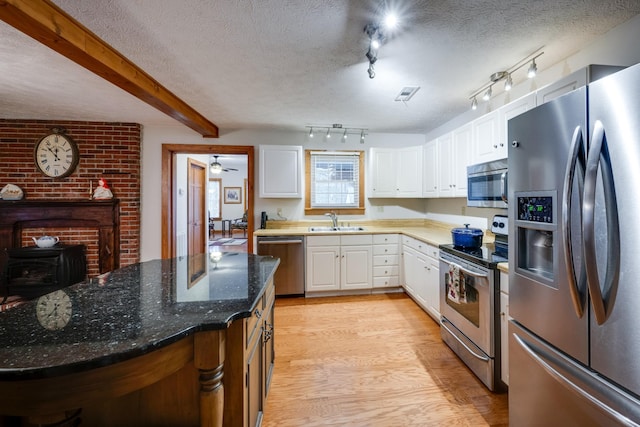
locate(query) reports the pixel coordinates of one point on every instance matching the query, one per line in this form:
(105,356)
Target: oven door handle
(476,355)
(464,270)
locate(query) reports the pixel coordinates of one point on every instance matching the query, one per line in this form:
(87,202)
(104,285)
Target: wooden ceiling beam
(51,26)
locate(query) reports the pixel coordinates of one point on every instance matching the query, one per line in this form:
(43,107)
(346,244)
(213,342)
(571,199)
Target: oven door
(466,303)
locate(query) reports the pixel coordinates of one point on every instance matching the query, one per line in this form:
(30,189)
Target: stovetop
(490,254)
(486,255)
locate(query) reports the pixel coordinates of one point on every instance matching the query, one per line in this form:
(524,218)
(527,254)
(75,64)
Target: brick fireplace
(107,150)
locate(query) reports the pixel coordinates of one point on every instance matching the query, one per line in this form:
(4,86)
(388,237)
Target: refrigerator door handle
(602,299)
(503,186)
(546,360)
(578,293)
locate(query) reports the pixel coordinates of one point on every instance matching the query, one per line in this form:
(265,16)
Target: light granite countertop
(432,232)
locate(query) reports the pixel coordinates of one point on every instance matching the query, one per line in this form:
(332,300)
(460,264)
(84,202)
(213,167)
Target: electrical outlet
(279,211)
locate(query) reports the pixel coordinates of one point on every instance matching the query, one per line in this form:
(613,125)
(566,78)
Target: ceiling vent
(406,93)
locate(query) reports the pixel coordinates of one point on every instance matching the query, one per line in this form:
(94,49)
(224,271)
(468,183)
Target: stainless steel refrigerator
(574,261)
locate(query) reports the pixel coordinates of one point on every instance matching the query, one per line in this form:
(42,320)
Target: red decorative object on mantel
(102,192)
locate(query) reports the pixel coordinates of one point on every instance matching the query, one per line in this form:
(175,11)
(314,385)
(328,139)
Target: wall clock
(56,155)
(54,310)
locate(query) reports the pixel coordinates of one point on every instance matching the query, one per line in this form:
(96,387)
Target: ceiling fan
(216,167)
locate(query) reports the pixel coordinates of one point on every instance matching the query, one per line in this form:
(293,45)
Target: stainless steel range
(470,303)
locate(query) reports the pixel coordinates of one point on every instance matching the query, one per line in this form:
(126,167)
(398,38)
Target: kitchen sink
(327,229)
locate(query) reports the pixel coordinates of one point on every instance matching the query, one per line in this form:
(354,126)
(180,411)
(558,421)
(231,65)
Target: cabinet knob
(258,313)
(515,144)
(386,260)
(501,144)
(453,185)
(495,146)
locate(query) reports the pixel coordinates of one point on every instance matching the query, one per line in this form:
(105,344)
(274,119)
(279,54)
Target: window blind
(335,179)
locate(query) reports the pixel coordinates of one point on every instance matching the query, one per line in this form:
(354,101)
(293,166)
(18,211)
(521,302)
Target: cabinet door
(507,112)
(485,138)
(504,336)
(383,172)
(255,377)
(430,169)
(422,278)
(409,266)
(323,268)
(409,172)
(461,158)
(445,174)
(433,288)
(356,267)
(280,171)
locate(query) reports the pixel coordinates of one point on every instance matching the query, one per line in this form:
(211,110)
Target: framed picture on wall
(233,194)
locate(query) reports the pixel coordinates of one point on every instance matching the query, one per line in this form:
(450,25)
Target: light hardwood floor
(370,361)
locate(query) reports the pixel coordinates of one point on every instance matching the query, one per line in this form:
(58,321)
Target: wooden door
(196,223)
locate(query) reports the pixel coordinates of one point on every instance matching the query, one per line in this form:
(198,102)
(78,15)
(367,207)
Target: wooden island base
(178,385)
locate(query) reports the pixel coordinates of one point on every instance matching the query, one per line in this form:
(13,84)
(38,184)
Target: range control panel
(535,209)
(500,225)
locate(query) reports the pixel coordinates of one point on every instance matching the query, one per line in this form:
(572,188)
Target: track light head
(474,103)
(371,71)
(344,136)
(362,136)
(508,84)
(487,94)
(533,69)
(311,133)
(328,133)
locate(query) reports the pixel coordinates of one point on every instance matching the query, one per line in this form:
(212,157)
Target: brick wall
(108,150)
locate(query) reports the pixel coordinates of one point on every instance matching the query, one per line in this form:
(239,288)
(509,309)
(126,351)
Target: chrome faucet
(334,218)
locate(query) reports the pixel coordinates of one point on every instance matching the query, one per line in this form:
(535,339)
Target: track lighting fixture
(378,32)
(338,127)
(507,77)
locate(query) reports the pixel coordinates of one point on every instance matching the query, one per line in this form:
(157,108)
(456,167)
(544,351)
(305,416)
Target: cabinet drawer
(383,282)
(323,240)
(385,238)
(432,251)
(386,260)
(390,270)
(356,239)
(253,322)
(391,249)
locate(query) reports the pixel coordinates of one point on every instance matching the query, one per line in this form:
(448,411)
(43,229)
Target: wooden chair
(240,224)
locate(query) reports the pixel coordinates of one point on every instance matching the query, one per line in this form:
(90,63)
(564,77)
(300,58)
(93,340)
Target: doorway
(169,152)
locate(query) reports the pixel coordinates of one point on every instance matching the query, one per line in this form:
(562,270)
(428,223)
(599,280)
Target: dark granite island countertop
(129,313)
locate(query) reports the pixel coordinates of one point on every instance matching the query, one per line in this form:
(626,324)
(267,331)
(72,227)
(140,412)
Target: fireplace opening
(31,271)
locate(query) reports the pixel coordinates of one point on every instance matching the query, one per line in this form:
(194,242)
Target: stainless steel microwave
(487,184)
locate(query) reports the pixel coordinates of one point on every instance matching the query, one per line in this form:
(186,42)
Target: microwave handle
(503,186)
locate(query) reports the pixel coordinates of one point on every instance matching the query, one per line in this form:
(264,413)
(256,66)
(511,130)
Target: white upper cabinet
(430,169)
(396,172)
(507,112)
(445,159)
(462,146)
(573,81)
(486,138)
(409,168)
(453,157)
(280,171)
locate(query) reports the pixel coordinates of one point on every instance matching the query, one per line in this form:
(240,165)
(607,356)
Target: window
(215,201)
(335,181)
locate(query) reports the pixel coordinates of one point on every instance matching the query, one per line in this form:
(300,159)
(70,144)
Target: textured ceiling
(285,64)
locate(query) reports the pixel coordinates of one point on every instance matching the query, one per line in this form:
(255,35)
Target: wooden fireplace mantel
(101,214)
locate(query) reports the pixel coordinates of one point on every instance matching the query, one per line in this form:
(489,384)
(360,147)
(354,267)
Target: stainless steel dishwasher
(289,277)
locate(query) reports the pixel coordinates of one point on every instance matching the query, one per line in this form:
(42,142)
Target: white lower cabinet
(504,326)
(339,262)
(421,274)
(386,260)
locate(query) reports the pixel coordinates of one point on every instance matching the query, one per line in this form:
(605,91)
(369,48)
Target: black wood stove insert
(31,271)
